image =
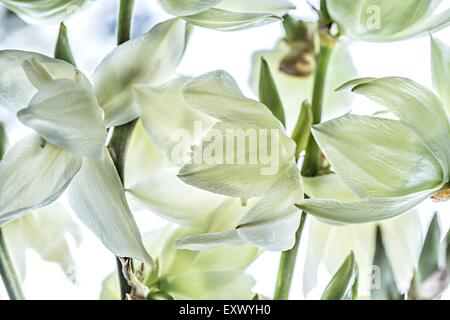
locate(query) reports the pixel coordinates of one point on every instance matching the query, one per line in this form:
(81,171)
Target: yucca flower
(228,15)
(68,114)
(214,274)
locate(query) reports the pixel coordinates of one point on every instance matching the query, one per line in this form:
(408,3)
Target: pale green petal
(33,175)
(296,89)
(217,94)
(276,7)
(330,244)
(185,8)
(207,241)
(212,285)
(169,197)
(159,104)
(224,20)
(273,221)
(370,210)
(416,105)
(97,197)
(385,20)
(38,11)
(236,169)
(150,59)
(328,186)
(403,238)
(440,62)
(144,158)
(378,157)
(66,114)
(110,288)
(52,244)
(16,88)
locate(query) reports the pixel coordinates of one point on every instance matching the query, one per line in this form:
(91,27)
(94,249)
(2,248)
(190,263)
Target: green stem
(124,21)
(120,139)
(287,264)
(9,276)
(310,168)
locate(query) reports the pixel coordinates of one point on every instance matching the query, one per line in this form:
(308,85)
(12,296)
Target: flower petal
(440,62)
(33,175)
(16,88)
(185,8)
(378,157)
(370,210)
(174,200)
(159,120)
(67,114)
(38,11)
(276,7)
(150,59)
(416,105)
(225,20)
(97,197)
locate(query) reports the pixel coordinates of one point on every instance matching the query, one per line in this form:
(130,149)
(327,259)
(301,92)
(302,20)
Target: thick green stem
(287,264)
(9,276)
(310,168)
(118,145)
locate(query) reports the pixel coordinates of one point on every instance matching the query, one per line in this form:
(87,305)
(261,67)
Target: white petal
(273,221)
(174,200)
(328,186)
(67,114)
(236,169)
(370,210)
(97,197)
(16,90)
(45,231)
(159,104)
(440,62)
(33,175)
(276,7)
(378,157)
(149,59)
(225,20)
(403,238)
(207,241)
(416,105)
(185,8)
(217,94)
(39,11)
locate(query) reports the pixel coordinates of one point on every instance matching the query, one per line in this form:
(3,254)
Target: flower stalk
(118,145)
(311,163)
(7,272)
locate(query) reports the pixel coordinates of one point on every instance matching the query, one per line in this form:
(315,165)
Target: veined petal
(38,11)
(67,114)
(276,7)
(362,211)
(238,161)
(440,62)
(378,157)
(225,20)
(16,87)
(273,221)
(403,239)
(206,241)
(159,121)
(185,8)
(417,106)
(32,175)
(150,59)
(51,245)
(217,94)
(174,200)
(97,197)
(369,20)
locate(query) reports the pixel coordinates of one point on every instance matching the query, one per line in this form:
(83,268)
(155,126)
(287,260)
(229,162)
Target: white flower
(62,106)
